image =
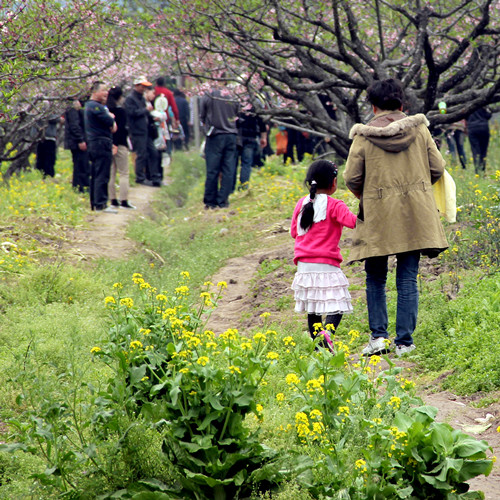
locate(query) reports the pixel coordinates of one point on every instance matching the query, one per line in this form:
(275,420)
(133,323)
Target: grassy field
(92,405)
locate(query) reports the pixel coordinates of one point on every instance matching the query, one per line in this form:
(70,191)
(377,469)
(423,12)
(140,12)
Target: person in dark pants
(253,134)
(479,137)
(393,162)
(99,128)
(184,114)
(139,123)
(218,112)
(74,140)
(46,150)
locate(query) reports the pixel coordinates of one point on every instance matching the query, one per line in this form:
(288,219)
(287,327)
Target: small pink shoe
(329,343)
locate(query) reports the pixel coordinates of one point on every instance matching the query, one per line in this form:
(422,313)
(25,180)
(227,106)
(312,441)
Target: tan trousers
(120,166)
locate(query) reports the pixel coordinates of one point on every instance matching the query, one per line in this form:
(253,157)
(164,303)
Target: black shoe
(156,184)
(126,204)
(145,182)
(115,203)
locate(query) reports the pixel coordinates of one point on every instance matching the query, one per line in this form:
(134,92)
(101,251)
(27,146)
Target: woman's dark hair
(114,95)
(387,95)
(321,175)
(179,93)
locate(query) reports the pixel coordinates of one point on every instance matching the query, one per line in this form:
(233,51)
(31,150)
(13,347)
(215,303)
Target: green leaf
(136,374)
(213,401)
(426,414)
(471,448)
(475,468)
(152,495)
(441,437)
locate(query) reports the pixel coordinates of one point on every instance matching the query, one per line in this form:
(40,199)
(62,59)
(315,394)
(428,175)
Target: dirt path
(246,298)
(106,236)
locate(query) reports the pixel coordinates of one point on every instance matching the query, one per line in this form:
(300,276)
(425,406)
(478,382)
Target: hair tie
(312,196)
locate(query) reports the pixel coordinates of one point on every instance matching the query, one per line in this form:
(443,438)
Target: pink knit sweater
(321,242)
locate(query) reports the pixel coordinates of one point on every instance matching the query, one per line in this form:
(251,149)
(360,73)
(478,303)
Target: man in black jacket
(75,141)
(138,118)
(99,128)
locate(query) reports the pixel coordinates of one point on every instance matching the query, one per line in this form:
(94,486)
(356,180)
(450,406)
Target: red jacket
(170,98)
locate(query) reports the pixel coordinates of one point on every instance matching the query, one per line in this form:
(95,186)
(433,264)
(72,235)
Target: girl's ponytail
(307,215)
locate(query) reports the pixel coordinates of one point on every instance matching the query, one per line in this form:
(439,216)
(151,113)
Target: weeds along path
(106,236)
(250,293)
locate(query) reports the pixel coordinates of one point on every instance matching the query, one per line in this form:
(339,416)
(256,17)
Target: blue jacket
(98,122)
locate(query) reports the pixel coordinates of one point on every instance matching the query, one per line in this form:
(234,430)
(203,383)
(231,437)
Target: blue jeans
(406,285)
(455,141)
(220,153)
(250,148)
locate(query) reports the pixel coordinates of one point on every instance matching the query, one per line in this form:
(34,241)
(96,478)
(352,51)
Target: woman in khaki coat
(392,164)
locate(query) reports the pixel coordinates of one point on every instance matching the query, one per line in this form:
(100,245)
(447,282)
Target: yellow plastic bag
(445,194)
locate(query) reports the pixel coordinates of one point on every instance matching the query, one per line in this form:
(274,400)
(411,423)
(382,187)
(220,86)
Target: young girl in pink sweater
(320,286)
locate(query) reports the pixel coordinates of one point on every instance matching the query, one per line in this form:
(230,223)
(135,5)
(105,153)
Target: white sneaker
(376,346)
(110,210)
(404,349)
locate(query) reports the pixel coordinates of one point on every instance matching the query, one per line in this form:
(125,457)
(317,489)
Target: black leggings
(331,319)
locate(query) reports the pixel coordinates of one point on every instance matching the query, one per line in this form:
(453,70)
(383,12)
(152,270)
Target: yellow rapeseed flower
(127,301)
(292,378)
(360,465)
(316,414)
(182,290)
(395,402)
(272,355)
(221,285)
(343,410)
(203,360)
(280,397)
(109,300)
(135,344)
(234,369)
(185,274)
(260,337)
(95,350)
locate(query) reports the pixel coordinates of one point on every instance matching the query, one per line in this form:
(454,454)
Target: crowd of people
(103,129)
(152,121)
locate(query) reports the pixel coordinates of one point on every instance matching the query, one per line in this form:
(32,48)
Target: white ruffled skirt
(321,289)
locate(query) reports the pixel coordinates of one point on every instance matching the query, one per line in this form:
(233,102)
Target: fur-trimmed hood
(390,130)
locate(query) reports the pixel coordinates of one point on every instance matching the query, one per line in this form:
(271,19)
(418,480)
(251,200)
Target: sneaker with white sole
(108,210)
(404,349)
(376,346)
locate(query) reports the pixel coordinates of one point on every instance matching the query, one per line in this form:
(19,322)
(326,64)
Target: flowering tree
(50,52)
(311,55)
